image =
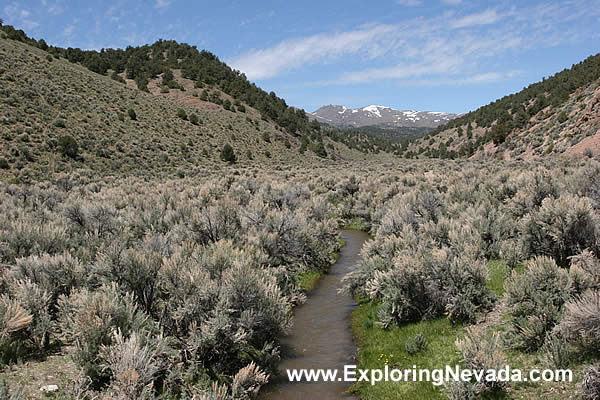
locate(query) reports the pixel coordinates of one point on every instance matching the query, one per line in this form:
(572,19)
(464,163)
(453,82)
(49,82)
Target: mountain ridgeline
(144,63)
(552,116)
(379,116)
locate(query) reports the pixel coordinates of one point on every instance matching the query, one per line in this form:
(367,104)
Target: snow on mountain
(383,116)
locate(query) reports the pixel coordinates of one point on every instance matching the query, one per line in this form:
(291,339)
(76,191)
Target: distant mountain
(380,116)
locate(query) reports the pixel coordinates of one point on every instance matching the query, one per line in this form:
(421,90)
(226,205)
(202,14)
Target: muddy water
(321,336)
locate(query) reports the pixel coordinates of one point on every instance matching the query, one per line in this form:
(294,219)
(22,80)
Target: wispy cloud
(409,3)
(68,31)
(162,3)
(487,77)
(452,2)
(451,47)
(19,16)
(321,48)
(483,18)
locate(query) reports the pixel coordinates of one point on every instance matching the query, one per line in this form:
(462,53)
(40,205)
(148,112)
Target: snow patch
(375,109)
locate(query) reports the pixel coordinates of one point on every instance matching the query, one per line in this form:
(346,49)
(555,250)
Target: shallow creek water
(321,336)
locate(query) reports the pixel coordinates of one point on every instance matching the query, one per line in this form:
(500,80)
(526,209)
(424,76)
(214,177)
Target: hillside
(559,115)
(58,116)
(379,116)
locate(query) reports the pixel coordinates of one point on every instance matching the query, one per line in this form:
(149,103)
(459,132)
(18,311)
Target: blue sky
(437,55)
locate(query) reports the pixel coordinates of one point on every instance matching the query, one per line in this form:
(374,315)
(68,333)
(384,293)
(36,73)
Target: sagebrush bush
(416,344)
(427,285)
(7,394)
(532,188)
(136,271)
(88,320)
(135,364)
(590,388)
(37,303)
(556,349)
(483,351)
(247,382)
(584,272)
(561,228)
(581,321)
(56,274)
(13,321)
(535,300)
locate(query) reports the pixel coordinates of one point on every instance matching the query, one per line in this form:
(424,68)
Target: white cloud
(447,48)
(409,3)
(68,31)
(452,2)
(483,18)
(162,3)
(291,54)
(19,17)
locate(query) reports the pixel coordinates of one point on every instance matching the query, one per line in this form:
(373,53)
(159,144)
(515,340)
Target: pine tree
(228,155)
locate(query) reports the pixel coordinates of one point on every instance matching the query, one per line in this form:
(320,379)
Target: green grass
(374,341)
(308,280)
(498,272)
(357,224)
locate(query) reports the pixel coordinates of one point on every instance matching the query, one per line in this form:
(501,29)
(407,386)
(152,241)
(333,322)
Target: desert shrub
(59,123)
(590,388)
(561,228)
(465,288)
(68,146)
(416,344)
(88,320)
(562,117)
(556,349)
(94,220)
(4,163)
(265,313)
(535,300)
(483,351)
(462,390)
(402,291)
(533,188)
(493,227)
(399,216)
(511,251)
(189,289)
(135,364)
(581,321)
(55,274)
(215,222)
(427,285)
(194,119)
(584,272)
(22,237)
(247,382)
(134,270)
(36,302)
(14,319)
(7,394)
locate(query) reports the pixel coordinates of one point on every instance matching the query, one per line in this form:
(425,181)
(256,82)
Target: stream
(321,337)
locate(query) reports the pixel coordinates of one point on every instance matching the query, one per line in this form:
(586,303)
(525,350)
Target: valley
(170,230)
